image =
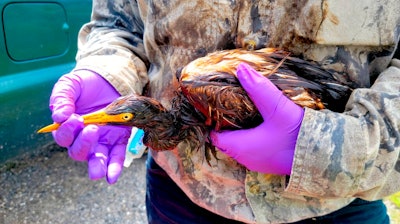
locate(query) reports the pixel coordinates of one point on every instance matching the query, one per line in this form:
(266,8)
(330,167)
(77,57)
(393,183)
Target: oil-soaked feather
(211,97)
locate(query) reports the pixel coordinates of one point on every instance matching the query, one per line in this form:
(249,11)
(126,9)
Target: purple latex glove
(269,147)
(81,92)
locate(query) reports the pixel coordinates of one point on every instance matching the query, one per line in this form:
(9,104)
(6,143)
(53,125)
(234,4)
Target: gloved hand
(269,147)
(81,92)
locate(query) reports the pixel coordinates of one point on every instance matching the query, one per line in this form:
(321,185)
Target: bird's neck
(161,131)
(167,128)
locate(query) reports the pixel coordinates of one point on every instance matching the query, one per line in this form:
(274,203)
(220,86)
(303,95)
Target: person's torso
(353,37)
(349,41)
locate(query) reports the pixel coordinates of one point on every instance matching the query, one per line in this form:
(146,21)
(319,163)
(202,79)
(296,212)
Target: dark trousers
(166,203)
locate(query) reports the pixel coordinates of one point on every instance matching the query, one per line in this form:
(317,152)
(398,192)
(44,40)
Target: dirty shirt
(338,156)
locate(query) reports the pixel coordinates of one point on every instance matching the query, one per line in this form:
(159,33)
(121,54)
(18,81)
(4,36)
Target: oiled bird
(210,85)
(210,97)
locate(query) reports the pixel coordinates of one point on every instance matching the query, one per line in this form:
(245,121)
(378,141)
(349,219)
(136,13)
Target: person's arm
(110,63)
(326,154)
(355,153)
(112,45)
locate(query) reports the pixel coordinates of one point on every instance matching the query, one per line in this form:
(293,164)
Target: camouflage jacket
(338,157)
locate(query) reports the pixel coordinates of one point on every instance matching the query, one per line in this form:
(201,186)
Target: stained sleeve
(355,153)
(111,44)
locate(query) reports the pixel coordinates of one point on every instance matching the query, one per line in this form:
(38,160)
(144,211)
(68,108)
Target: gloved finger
(98,162)
(112,135)
(63,97)
(229,142)
(68,130)
(84,143)
(115,163)
(264,94)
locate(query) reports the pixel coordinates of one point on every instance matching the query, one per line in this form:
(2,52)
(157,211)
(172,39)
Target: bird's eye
(127,116)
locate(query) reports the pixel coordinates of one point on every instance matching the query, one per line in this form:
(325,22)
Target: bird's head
(130,110)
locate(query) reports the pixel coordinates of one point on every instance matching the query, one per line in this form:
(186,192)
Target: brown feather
(210,97)
(211,86)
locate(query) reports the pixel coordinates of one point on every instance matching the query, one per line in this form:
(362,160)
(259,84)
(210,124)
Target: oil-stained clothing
(167,203)
(338,156)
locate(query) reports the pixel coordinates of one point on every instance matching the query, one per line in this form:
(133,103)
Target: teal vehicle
(38,43)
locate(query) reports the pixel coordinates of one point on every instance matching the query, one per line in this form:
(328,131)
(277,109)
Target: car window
(35,30)
(38,44)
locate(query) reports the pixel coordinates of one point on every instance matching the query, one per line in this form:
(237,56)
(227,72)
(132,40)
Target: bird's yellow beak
(99,118)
